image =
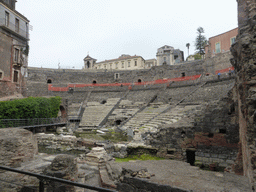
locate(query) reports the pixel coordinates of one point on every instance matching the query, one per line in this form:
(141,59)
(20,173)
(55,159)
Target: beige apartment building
(124,62)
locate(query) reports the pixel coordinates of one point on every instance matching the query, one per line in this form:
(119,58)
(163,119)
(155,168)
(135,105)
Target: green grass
(115,137)
(90,136)
(142,157)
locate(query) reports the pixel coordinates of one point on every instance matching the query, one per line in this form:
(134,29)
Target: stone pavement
(182,175)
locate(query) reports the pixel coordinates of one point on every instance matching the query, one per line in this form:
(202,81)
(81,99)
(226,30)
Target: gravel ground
(181,174)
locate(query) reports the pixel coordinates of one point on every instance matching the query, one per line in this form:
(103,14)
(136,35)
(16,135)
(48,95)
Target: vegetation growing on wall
(29,108)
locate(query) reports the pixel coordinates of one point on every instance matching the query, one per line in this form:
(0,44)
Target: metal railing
(44,178)
(4,123)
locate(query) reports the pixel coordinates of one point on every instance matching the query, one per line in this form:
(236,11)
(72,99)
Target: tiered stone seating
(95,112)
(73,109)
(174,115)
(144,116)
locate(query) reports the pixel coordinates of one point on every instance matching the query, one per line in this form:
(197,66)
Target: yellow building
(124,62)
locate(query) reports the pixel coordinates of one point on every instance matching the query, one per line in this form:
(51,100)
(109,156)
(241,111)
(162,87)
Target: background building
(14,37)
(221,43)
(167,55)
(124,62)
(89,62)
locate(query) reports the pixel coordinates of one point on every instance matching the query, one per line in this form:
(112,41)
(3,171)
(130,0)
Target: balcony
(13,29)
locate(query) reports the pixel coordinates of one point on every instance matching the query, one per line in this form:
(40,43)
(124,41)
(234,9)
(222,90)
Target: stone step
(105,179)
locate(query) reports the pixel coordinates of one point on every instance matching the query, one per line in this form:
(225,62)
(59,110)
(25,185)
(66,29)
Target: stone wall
(212,134)
(243,51)
(17,146)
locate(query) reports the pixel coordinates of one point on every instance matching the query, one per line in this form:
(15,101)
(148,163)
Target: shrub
(30,108)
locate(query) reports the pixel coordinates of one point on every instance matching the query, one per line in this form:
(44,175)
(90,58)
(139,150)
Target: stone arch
(49,81)
(88,64)
(63,112)
(94,82)
(118,122)
(139,80)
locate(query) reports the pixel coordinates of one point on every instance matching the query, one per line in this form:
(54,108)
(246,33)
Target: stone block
(213,155)
(206,160)
(230,162)
(208,155)
(198,158)
(223,156)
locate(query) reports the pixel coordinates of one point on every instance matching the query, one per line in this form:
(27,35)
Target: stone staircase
(95,112)
(73,110)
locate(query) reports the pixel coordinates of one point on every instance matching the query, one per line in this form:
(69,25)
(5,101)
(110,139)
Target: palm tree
(187,45)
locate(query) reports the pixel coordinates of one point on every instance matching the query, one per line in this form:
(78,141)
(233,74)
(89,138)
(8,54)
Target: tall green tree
(201,41)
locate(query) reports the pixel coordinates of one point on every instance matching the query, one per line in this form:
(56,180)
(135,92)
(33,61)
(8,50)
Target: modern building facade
(221,43)
(14,37)
(167,55)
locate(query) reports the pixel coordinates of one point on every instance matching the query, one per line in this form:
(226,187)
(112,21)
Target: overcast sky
(64,31)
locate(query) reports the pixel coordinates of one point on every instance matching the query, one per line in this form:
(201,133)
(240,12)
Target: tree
(187,45)
(200,41)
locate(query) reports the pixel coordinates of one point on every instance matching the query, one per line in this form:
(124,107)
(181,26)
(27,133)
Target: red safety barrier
(224,70)
(158,81)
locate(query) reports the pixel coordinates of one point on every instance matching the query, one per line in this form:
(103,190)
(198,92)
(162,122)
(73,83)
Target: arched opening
(191,156)
(139,81)
(223,131)
(94,82)
(118,122)
(103,102)
(49,81)
(183,74)
(63,112)
(88,64)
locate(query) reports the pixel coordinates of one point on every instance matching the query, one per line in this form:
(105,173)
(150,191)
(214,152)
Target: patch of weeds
(143,157)
(90,136)
(115,136)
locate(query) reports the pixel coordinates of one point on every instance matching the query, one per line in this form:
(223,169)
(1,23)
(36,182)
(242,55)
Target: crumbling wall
(17,146)
(244,53)
(212,134)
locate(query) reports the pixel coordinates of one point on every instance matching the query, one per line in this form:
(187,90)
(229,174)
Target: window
(164,58)
(122,65)
(105,66)
(17,25)
(117,75)
(129,64)
(232,40)
(217,47)
(7,16)
(15,76)
(1,75)
(110,66)
(135,63)
(27,30)
(16,55)
(116,65)
(99,66)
